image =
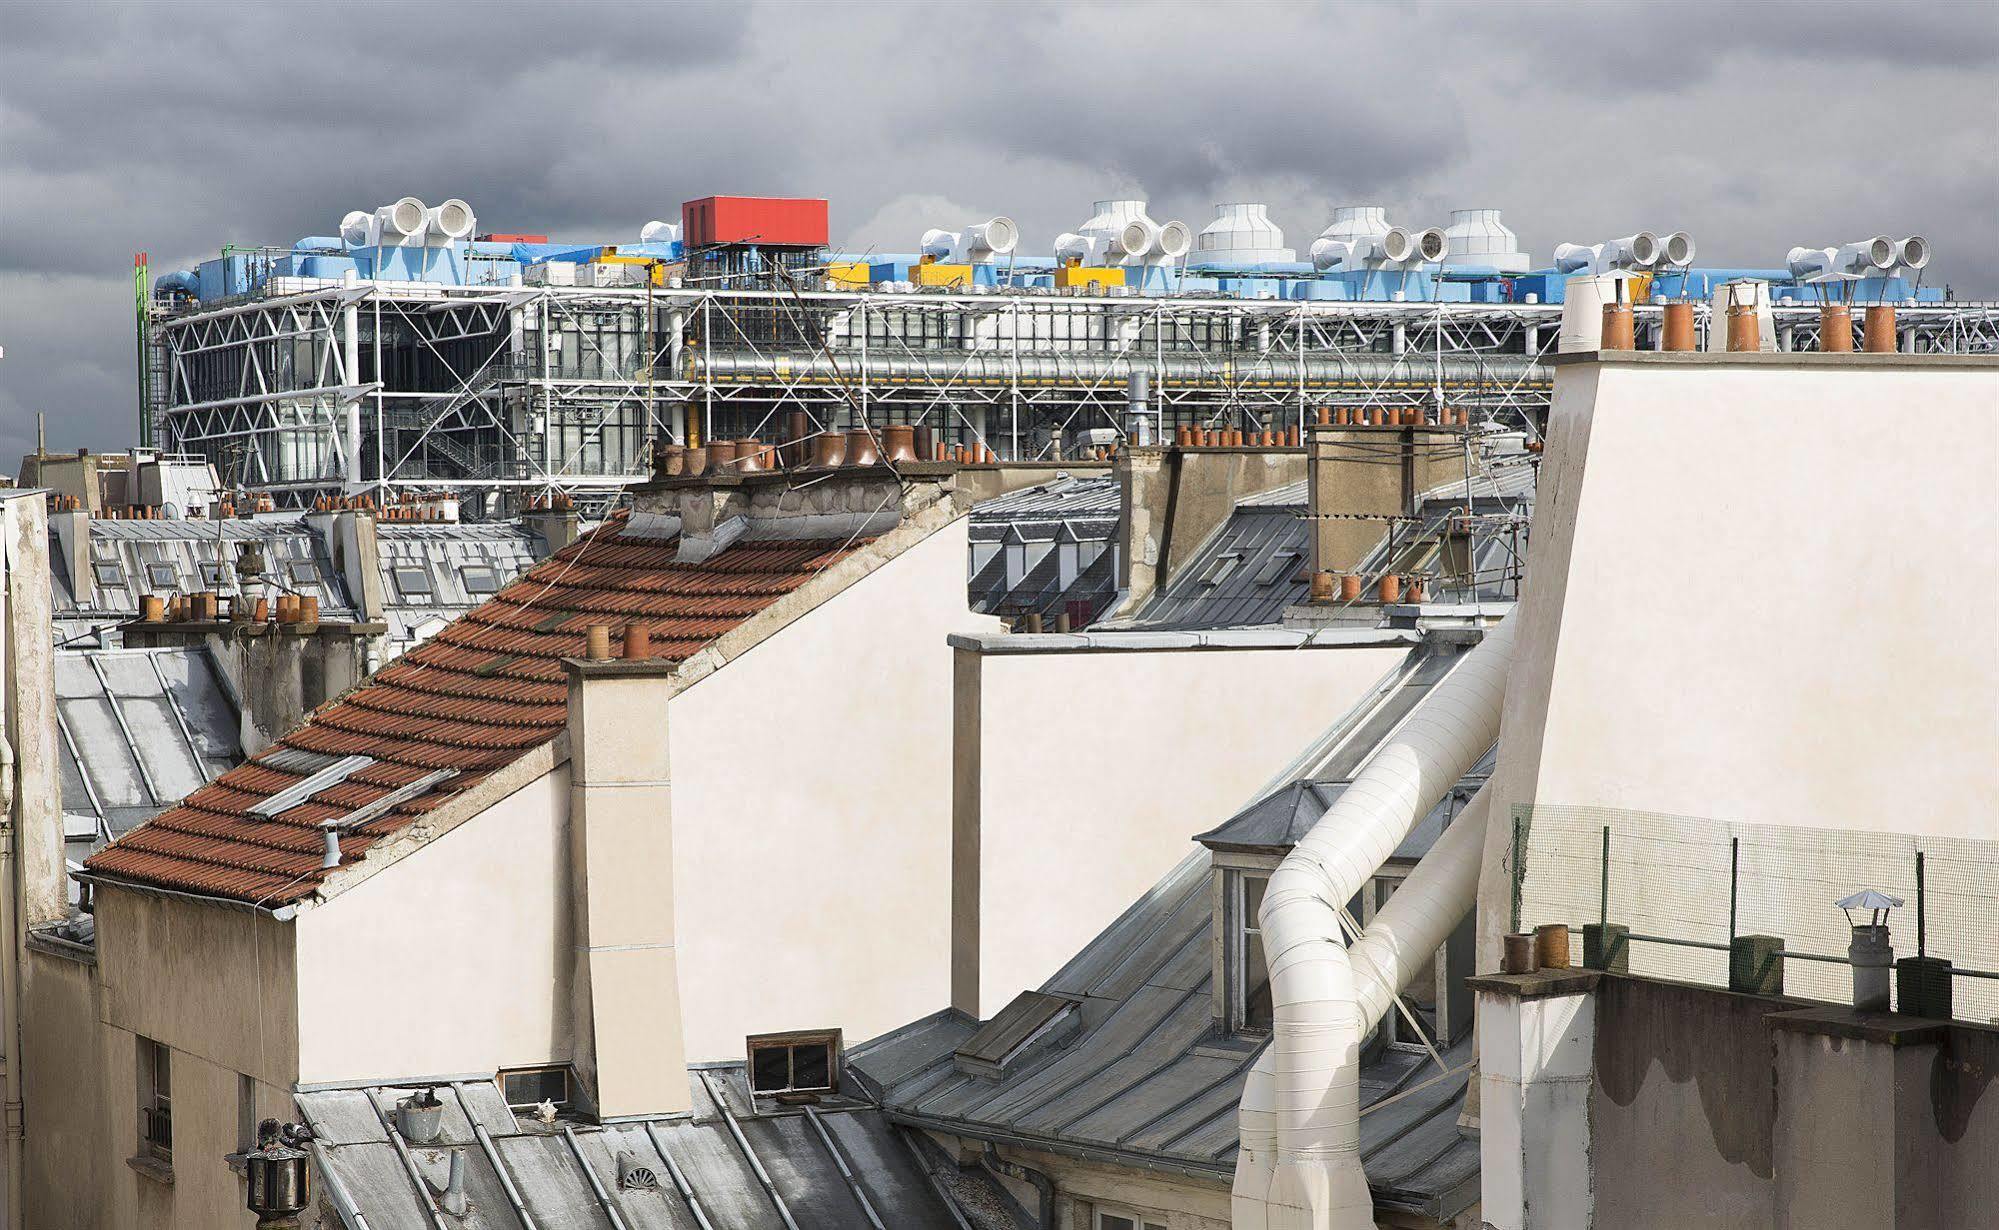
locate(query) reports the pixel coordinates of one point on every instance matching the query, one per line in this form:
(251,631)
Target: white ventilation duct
(1869,257)
(1677,250)
(357,229)
(1122,233)
(660,232)
(1913,252)
(1242,234)
(1477,237)
(402,224)
(451,222)
(1639,251)
(977,244)
(1320,1004)
(1808,263)
(1361,238)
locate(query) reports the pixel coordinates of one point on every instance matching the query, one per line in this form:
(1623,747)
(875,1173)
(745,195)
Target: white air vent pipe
(1319,1003)
(1071,246)
(402,223)
(451,222)
(1331,253)
(1913,252)
(1869,257)
(1677,250)
(660,232)
(1639,251)
(357,229)
(1432,245)
(977,244)
(996,236)
(1812,262)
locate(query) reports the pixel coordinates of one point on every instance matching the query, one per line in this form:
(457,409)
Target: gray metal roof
(1149,1080)
(431,574)
(137,730)
(1251,568)
(1047,550)
(758,1166)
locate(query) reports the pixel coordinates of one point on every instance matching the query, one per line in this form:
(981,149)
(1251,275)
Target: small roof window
(480,579)
(804,1062)
(412,582)
(302,572)
(162,576)
(527,1088)
(109,576)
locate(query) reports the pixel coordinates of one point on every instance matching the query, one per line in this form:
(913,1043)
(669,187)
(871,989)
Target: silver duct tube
(998,367)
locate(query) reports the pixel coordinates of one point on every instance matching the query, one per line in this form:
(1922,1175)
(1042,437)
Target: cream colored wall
(68,1152)
(1096,768)
(1763,593)
(811,814)
(216,986)
(455,961)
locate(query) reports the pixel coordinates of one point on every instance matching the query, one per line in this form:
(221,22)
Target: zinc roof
(479,695)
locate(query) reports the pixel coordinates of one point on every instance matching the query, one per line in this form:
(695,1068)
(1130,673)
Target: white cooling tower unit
(1477,237)
(1242,234)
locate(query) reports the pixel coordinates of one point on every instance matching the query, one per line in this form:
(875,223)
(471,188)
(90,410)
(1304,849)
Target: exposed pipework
(660,232)
(1122,233)
(1639,251)
(1677,250)
(1913,252)
(998,367)
(1325,996)
(977,244)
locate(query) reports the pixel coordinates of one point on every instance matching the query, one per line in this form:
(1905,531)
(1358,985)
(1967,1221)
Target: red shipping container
(769,221)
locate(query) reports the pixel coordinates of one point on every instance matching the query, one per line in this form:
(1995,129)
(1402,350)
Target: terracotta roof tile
(484,691)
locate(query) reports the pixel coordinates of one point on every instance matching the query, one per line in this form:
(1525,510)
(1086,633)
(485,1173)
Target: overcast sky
(177,127)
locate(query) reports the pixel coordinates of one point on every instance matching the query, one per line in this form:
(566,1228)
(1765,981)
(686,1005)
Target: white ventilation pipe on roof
(1869,257)
(1806,263)
(1677,250)
(1639,251)
(451,222)
(403,223)
(1913,252)
(1404,935)
(1319,1004)
(357,229)
(660,232)
(977,244)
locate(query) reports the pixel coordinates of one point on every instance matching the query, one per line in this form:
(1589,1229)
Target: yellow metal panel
(1088,275)
(941,275)
(848,275)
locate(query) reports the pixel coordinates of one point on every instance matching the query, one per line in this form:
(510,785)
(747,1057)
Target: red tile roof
(483,692)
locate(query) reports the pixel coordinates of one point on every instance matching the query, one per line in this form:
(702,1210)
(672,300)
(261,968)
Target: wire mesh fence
(1700,883)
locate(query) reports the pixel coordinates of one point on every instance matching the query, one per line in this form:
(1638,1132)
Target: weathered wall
(456,960)
(1683,1107)
(1093,770)
(811,813)
(69,1152)
(217,986)
(1745,602)
(1174,498)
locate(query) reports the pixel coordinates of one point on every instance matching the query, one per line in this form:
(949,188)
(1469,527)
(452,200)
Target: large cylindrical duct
(1478,237)
(1677,250)
(1331,253)
(1242,233)
(1319,991)
(996,236)
(1869,257)
(998,367)
(1913,252)
(1639,251)
(357,229)
(452,221)
(937,244)
(403,222)
(1574,257)
(1431,245)
(1811,262)
(660,232)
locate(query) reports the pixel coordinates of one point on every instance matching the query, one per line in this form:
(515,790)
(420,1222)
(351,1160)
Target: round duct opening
(405,217)
(454,219)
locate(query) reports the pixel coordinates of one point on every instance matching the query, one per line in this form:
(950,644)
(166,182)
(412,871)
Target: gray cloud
(177,128)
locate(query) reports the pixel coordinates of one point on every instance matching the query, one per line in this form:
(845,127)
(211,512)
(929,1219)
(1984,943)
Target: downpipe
(1326,997)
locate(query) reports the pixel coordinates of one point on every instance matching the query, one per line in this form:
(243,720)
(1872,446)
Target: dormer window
(1247,973)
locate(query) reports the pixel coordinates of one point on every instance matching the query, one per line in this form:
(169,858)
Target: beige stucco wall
(1761,592)
(215,985)
(811,814)
(1094,768)
(456,961)
(68,1152)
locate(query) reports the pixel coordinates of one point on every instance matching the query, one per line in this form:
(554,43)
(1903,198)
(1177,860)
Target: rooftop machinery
(412,352)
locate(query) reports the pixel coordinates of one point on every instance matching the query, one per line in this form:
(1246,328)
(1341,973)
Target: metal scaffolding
(503,393)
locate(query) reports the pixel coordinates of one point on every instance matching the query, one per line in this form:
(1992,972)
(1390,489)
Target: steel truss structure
(503,393)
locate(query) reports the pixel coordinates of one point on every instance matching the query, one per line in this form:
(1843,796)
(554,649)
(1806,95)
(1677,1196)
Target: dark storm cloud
(178,127)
